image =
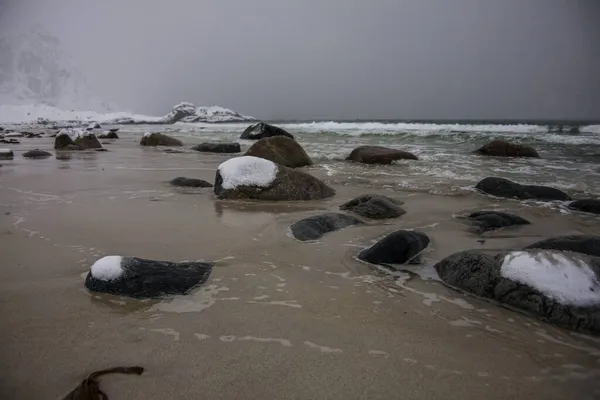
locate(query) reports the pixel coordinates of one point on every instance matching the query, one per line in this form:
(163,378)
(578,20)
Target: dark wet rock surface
(262,130)
(7,155)
(501,187)
(374,206)
(281,150)
(399,247)
(190,182)
(379,155)
(586,205)
(218,147)
(502,148)
(313,228)
(585,244)
(289,184)
(159,139)
(143,278)
(479,272)
(37,154)
(484,221)
(110,135)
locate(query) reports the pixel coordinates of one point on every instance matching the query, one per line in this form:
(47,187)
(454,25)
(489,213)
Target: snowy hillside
(34,70)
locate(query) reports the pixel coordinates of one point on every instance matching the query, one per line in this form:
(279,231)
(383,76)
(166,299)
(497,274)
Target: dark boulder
(262,130)
(6,154)
(63,141)
(247,177)
(374,206)
(218,147)
(281,150)
(502,148)
(140,278)
(398,247)
(313,228)
(559,287)
(37,154)
(190,182)
(109,135)
(585,244)
(88,141)
(159,139)
(586,205)
(379,155)
(484,221)
(501,187)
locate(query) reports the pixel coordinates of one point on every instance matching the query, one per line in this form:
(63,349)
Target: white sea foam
(107,268)
(567,279)
(247,171)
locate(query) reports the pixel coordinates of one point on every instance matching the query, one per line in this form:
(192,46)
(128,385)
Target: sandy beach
(278,318)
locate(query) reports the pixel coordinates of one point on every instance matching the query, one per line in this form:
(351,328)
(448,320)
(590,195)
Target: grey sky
(334,59)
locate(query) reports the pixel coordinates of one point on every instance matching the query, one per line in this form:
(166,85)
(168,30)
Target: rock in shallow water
(488,220)
(37,154)
(218,147)
(379,155)
(112,134)
(262,130)
(190,182)
(6,154)
(313,228)
(560,287)
(281,150)
(585,244)
(374,206)
(501,187)
(255,178)
(140,278)
(502,148)
(159,139)
(586,205)
(398,247)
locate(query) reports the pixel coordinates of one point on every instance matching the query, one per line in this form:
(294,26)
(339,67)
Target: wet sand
(278,319)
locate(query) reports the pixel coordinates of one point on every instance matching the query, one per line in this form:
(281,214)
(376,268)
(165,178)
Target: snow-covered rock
(179,111)
(76,139)
(561,287)
(250,177)
(140,278)
(6,154)
(216,114)
(247,171)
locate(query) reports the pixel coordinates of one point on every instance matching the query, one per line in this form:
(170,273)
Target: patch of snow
(147,134)
(107,268)
(566,278)
(73,133)
(247,171)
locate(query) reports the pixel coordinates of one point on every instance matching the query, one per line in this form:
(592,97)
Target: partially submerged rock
(262,130)
(76,139)
(281,150)
(111,134)
(37,154)
(313,228)
(501,187)
(585,244)
(374,206)
(379,155)
(484,221)
(399,247)
(159,139)
(89,389)
(218,147)
(586,205)
(560,287)
(502,148)
(140,278)
(250,177)
(6,154)
(190,182)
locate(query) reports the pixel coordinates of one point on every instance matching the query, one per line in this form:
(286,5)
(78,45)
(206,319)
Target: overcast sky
(334,59)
